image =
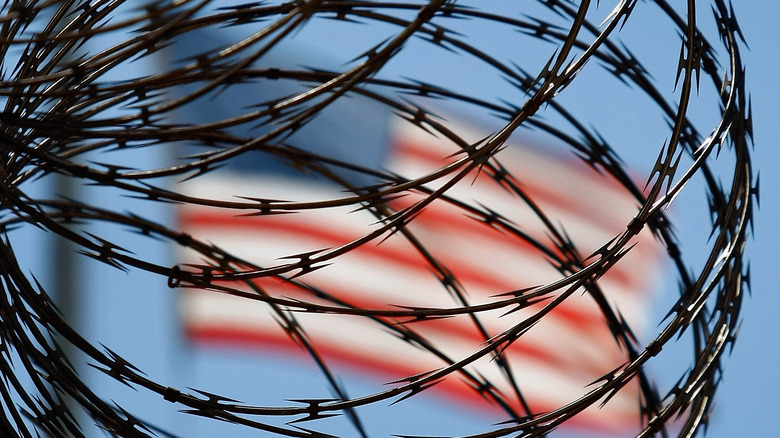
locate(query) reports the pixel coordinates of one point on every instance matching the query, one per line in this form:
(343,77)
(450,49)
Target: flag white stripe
(354,280)
(568,349)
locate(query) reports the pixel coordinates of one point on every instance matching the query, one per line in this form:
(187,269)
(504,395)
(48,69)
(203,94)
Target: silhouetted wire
(58,108)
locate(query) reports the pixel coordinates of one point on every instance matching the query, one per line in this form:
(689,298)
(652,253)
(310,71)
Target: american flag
(552,364)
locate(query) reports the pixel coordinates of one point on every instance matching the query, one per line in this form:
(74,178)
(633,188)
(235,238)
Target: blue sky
(747,401)
(747,398)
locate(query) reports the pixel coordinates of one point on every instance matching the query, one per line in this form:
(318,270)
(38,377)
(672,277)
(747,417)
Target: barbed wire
(62,108)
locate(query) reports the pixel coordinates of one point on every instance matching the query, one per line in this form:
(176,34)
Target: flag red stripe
(604,421)
(430,156)
(328,236)
(387,368)
(465,330)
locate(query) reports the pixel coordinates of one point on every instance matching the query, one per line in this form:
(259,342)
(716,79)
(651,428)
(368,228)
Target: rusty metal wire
(62,107)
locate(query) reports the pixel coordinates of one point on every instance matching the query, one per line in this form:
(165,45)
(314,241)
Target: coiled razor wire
(61,105)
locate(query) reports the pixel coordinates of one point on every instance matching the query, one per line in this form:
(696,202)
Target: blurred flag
(551,364)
